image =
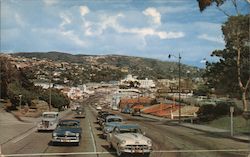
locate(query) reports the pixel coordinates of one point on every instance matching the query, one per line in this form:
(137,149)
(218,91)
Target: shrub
(58,100)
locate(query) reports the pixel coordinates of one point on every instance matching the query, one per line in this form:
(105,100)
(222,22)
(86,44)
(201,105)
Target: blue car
(67,131)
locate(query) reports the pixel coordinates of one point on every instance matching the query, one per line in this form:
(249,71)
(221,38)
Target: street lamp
(179,61)
(50,82)
(20,101)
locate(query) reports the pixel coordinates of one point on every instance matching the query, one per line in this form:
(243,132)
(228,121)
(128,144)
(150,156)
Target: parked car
(115,108)
(67,131)
(98,108)
(103,117)
(126,110)
(128,138)
(112,118)
(80,113)
(136,112)
(100,113)
(49,121)
(108,128)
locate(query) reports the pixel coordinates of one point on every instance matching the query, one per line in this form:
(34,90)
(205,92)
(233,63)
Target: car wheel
(118,151)
(110,145)
(146,155)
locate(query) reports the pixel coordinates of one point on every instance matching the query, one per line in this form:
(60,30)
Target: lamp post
(179,61)
(50,77)
(20,101)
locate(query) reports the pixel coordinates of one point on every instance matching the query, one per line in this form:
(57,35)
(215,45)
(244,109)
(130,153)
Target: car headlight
(77,134)
(123,142)
(149,142)
(54,134)
(107,129)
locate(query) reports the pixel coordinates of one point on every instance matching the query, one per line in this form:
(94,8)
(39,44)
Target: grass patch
(240,124)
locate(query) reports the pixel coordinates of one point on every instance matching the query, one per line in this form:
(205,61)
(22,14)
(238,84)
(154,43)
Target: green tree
(57,98)
(233,66)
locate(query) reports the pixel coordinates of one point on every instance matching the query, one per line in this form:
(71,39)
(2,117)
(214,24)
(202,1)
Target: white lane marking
(17,123)
(201,150)
(19,138)
(61,154)
(158,151)
(92,136)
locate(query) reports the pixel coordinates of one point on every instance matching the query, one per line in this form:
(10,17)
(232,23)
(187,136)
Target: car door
(114,139)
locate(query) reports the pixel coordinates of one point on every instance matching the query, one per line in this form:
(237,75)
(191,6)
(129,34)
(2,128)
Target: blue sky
(145,28)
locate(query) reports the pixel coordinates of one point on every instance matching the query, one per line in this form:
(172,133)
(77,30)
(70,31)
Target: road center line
(92,136)
(96,153)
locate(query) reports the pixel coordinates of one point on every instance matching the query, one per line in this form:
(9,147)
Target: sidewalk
(204,128)
(12,126)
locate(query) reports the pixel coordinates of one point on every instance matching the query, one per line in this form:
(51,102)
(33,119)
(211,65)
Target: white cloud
(66,20)
(95,29)
(154,14)
(211,38)
(73,37)
(84,10)
(50,2)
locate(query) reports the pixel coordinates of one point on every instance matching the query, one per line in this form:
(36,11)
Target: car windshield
(49,116)
(68,124)
(130,130)
(114,120)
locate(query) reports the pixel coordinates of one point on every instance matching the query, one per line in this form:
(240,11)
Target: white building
(146,83)
(142,83)
(44,85)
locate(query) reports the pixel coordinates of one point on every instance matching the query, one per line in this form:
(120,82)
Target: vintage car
(111,118)
(103,117)
(49,121)
(98,108)
(100,113)
(115,108)
(80,113)
(136,112)
(128,138)
(67,131)
(108,128)
(126,110)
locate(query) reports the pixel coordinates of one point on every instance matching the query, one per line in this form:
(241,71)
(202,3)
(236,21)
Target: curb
(214,133)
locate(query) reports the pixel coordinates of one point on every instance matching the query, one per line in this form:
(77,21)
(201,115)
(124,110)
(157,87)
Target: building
(138,83)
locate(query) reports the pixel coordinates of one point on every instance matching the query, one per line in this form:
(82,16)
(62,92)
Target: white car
(98,108)
(128,138)
(115,108)
(49,121)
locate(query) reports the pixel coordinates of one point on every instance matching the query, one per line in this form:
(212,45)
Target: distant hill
(141,67)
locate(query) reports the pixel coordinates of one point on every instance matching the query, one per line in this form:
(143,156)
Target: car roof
(128,126)
(113,116)
(70,120)
(50,113)
(113,124)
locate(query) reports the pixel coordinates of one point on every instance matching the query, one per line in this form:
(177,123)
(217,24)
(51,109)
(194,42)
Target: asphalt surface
(168,140)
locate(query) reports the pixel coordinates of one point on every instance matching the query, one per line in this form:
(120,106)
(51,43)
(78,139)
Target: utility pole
(179,62)
(50,89)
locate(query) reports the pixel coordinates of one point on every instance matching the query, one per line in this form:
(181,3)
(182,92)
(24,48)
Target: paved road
(168,140)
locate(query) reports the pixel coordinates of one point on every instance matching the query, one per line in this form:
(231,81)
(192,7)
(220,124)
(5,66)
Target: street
(168,140)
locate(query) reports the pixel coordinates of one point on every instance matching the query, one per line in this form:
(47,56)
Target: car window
(49,115)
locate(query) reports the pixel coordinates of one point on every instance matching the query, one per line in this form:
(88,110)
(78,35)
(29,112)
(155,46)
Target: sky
(144,28)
